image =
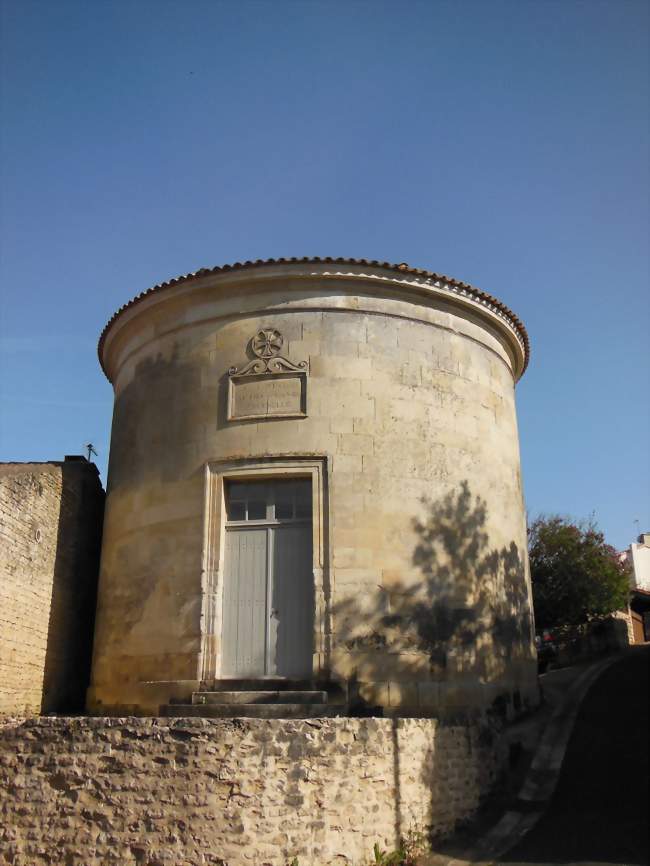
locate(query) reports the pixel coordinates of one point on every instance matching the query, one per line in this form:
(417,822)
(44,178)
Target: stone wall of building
(639,559)
(184,792)
(420,568)
(50,534)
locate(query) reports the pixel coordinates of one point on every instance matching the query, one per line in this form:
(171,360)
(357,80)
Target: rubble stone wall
(184,792)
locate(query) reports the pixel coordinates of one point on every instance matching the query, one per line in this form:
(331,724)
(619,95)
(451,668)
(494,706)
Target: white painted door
(292,602)
(245,602)
(268,596)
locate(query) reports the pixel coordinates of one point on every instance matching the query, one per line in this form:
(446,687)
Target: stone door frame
(315,467)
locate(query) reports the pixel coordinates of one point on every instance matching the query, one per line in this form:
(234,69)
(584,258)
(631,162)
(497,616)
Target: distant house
(638,557)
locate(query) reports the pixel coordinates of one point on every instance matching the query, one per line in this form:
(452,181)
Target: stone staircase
(261,699)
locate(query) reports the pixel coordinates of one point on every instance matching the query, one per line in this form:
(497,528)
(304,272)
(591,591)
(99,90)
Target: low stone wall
(242,792)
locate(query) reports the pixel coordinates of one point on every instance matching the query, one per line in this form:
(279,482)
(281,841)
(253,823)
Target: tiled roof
(454,285)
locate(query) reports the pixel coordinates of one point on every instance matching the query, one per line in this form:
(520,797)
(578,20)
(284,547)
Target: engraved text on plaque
(267,397)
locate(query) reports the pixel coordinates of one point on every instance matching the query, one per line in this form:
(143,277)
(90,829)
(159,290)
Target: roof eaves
(403,267)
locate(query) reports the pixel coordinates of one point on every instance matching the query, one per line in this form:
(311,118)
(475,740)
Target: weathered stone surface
(50,534)
(420,568)
(266,397)
(191,792)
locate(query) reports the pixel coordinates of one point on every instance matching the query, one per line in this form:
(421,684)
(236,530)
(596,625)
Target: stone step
(260,684)
(259,697)
(252,711)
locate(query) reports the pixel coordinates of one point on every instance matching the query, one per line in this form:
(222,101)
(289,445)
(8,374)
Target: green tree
(576,575)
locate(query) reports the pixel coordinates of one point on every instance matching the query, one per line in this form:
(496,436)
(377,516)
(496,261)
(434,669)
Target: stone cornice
(398,275)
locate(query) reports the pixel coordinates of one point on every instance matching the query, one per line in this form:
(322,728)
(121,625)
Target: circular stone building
(314,487)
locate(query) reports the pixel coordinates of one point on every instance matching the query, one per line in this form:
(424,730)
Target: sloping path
(598,813)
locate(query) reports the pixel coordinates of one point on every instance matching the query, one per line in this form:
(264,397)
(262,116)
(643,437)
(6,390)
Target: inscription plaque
(270,386)
(267,397)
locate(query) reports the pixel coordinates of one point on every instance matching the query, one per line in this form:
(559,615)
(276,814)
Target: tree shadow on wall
(461,623)
(472,608)
(468,614)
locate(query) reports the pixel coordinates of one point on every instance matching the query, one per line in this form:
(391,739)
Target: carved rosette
(266,346)
(267,343)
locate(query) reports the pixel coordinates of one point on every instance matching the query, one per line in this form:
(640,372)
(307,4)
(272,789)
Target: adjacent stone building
(50,536)
(314,481)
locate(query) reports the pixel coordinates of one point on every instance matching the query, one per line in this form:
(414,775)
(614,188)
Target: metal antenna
(89,448)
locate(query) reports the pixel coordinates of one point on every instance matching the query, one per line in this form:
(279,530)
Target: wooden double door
(268,592)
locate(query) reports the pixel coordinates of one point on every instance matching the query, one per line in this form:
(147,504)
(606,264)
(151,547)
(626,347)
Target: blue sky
(504,142)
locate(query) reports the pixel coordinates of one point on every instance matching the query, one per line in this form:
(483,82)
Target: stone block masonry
(50,536)
(419,569)
(241,792)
